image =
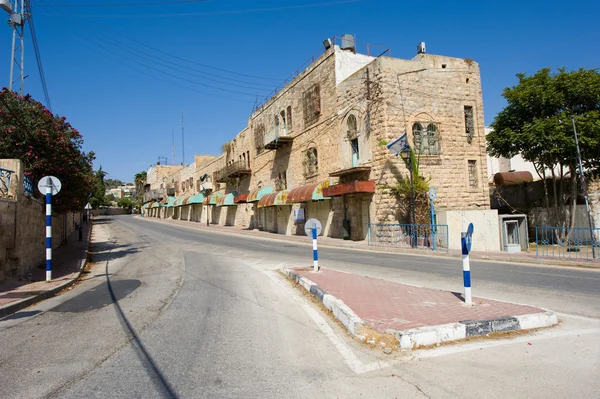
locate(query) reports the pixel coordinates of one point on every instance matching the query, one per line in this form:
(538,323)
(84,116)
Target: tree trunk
(554,189)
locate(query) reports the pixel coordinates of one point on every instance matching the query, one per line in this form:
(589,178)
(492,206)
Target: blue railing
(578,243)
(28,186)
(5,175)
(420,236)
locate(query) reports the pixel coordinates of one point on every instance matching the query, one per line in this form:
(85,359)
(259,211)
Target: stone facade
(330,123)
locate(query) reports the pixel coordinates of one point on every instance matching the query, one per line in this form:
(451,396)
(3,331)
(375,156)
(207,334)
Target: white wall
(486,234)
(347,63)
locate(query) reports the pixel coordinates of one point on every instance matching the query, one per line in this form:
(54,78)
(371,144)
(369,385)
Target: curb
(24,303)
(340,310)
(430,335)
(433,335)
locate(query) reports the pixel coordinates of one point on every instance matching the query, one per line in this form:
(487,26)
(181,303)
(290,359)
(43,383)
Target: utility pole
(17,20)
(173,146)
(182,141)
(585,193)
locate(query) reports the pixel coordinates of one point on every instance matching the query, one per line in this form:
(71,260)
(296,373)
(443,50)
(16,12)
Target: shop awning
(273,199)
(145,206)
(156,205)
(214,198)
(308,192)
(227,199)
(353,187)
(256,195)
(241,198)
(179,201)
(194,199)
(171,202)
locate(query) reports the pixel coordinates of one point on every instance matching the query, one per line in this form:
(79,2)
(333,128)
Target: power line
(38,58)
(119,61)
(178,57)
(155,3)
(333,3)
(146,65)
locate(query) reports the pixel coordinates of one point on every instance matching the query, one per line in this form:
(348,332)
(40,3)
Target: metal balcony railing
(236,169)
(154,194)
(276,137)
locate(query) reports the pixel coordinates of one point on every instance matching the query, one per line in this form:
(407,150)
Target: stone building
(316,149)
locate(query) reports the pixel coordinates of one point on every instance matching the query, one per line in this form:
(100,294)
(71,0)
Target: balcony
(154,194)
(236,169)
(277,137)
(350,171)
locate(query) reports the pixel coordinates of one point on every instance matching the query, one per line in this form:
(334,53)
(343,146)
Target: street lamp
(406,156)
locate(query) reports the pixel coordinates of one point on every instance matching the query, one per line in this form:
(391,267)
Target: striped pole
(315,252)
(466,267)
(48,229)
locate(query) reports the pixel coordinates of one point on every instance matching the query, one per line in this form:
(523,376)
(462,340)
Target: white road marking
(350,358)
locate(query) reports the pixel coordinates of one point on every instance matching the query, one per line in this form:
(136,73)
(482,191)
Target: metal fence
(5,175)
(420,236)
(578,243)
(28,186)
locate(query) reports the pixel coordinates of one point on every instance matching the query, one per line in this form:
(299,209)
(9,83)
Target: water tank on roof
(348,42)
(508,178)
(6,6)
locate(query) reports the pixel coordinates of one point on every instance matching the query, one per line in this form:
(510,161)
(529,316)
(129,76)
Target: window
(426,143)
(259,132)
(473,180)
(281,183)
(248,158)
(283,123)
(311,166)
(289,118)
(352,126)
(311,99)
(469,123)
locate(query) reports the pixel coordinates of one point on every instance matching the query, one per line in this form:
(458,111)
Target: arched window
(432,140)
(289,118)
(352,126)
(417,130)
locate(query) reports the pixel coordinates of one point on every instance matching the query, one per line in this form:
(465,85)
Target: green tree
(98,189)
(125,202)
(47,145)
(537,123)
(112,183)
(140,181)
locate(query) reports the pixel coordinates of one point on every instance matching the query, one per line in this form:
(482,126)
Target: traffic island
(416,316)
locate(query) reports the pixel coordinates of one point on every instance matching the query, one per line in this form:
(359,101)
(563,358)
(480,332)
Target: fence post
(466,248)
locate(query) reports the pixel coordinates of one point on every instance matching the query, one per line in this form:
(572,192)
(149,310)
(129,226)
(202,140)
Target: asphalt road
(172,312)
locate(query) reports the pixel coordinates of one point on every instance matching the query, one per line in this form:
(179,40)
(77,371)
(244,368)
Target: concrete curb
(433,335)
(340,310)
(430,335)
(14,307)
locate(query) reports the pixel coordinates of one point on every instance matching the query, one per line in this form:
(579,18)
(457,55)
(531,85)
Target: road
(168,311)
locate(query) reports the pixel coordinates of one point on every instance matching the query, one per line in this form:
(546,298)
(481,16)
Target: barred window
(426,142)
(259,133)
(473,180)
(469,123)
(311,99)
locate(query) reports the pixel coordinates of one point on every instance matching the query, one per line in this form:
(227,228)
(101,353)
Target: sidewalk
(67,264)
(416,316)
(520,257)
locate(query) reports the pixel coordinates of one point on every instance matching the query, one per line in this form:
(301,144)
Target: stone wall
(23,227)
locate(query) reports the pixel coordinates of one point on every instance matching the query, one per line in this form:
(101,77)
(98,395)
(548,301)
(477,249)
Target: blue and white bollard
(48,232)
(315,252)
(465,240)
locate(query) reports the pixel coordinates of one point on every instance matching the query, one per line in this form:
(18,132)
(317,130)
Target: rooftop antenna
(182,142)
(173,146)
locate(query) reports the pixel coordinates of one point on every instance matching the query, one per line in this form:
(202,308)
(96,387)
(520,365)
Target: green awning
(156,205)
(179,201)
(214,198)
(171,202)
(227,200)
(194,199)
(257,194)
(145,206)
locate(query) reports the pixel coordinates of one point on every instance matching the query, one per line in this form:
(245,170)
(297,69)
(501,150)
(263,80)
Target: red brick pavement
(384,304)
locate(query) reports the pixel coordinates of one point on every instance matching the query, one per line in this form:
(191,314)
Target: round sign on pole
(49,181)
(432,193)
(312,224)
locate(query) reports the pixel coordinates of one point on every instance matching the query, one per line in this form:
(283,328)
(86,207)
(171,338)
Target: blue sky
(126,108)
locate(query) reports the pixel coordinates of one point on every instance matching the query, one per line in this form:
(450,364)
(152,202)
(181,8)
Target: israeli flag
(399,145)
